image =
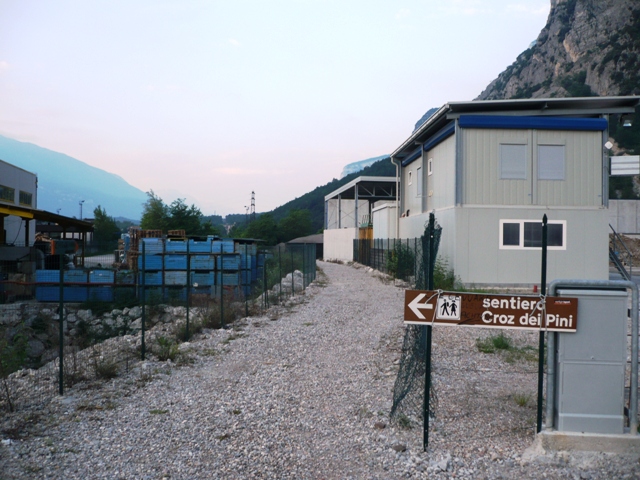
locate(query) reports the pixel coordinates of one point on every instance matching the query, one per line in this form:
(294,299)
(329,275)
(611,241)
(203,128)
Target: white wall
(384,220)
(338,244)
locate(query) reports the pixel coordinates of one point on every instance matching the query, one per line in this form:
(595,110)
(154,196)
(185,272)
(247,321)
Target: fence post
(61,327)
(293,285)
(222,294)
(280,273)
(144,302)
(427,338)
(188,285)
(247,275)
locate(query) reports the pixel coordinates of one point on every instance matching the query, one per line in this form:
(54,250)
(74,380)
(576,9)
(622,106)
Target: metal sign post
(543,293)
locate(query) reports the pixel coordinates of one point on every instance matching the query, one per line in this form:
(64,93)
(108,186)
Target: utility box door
(591,364)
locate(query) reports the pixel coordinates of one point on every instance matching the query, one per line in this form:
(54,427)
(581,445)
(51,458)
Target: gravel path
(303,392)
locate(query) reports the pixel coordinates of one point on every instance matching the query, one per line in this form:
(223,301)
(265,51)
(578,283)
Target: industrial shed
(491,169)
(349,209)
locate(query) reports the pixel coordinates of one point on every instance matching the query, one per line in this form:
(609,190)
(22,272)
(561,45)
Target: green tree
(155,214)
(296,224)
(263,228)
(105,228)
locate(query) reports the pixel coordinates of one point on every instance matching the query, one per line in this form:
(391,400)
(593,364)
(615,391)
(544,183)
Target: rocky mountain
(356,167)
(64,181)
(587,47)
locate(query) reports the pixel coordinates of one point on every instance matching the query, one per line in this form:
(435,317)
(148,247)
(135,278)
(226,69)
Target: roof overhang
(43,215)
(585,107)
(371,188)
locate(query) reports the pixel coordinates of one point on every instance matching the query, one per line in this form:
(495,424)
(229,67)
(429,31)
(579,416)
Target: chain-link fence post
(186,334)
(144,302)
(61,326)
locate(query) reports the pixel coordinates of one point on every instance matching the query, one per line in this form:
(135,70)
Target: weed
(308,324)
(403,421)
(493,343)
(166,349)
(522,399)
(157,411)
(103,366)
(503,344)
(236,411)
(224,436)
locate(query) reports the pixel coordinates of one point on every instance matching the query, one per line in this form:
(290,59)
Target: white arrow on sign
(416,306)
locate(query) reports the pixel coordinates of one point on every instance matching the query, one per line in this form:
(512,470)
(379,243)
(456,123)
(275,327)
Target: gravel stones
(303,397)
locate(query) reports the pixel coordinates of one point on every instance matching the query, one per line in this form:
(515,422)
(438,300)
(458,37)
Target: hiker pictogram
(449,307)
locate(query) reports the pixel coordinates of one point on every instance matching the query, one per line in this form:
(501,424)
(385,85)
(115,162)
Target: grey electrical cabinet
(591,363)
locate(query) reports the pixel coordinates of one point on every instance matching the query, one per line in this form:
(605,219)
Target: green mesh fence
(408,390)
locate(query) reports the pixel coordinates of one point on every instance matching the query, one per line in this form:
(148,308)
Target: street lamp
(81,202)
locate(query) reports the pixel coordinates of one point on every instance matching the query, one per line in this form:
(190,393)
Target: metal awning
(368,188)
(42,215)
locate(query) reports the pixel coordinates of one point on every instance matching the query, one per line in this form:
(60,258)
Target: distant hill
(64,181)
(314,200)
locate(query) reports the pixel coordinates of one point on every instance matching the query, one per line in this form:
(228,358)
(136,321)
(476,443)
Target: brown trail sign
(493,311)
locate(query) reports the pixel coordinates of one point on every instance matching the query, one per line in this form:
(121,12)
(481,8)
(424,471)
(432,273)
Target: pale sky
(209,100)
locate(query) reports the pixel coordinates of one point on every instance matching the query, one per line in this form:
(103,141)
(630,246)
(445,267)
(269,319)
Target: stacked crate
(175,268)
(202,266)
(150,264)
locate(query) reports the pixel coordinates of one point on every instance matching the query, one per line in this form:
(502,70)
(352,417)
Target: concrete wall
(624,216)
(338,244)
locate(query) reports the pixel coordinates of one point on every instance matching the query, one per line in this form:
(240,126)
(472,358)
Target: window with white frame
(527,234)
(430,166)
(513,161)
(419,180)
(551,162)
(409,179)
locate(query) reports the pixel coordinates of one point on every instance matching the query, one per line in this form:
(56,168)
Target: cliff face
(588,47)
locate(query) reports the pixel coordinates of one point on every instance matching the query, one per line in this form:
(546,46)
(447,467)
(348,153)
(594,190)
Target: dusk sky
(209,100)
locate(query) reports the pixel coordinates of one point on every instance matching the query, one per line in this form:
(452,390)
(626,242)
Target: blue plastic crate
(151,262)
(260,262)
(101,276)
(75,294)
(75,276)
(45,276)
(152,246)
(151,278)
(101,294)
(200,246)
(222,246)
(246,261)
(245,276)
(228,262)
(246,249)
(175,262)
(202,278)
(176,246)
(47,293)
(202,262)
(175,278)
